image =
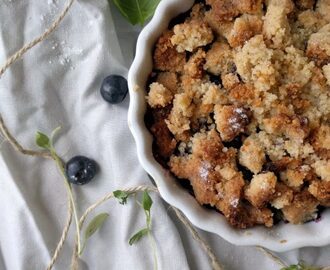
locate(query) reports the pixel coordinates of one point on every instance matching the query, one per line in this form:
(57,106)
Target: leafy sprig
(122,196)
(43,141)
(136,11)
(47,143)
(301,266)
(146,205)
(93,226)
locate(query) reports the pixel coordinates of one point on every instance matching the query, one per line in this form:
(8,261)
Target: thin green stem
(83,247)
(151,239)
(153,247)
(60,166)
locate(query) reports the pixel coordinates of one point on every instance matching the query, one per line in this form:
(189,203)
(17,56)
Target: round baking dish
(281,237)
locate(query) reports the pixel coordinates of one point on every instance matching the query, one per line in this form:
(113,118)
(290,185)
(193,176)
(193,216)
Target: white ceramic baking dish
(282,237)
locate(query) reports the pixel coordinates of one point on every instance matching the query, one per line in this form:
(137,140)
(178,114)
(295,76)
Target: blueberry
(114,89)
(80,170)
(215,79)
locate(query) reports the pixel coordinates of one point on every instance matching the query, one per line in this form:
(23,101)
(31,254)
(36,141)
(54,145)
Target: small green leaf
(146,201)
(136,11)
(301,266)
(122,196)
(291,267)
(54,133)
(42,140)
(95,224)
(136,237)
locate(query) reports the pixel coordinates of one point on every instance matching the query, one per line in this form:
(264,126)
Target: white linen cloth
(57,83)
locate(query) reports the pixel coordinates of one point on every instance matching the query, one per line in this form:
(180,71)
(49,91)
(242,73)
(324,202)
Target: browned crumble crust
(239,105)
(305,4)
(166,57)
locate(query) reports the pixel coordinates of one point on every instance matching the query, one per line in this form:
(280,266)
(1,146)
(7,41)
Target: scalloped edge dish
(281,237)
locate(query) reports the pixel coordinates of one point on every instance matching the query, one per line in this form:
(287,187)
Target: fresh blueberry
(215,79)
(80,170)
(114,89)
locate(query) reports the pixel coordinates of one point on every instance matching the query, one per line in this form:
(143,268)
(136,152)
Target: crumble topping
(159,95)
(239,106)
(230,120)
(191,35)
(260,189)
(252,154)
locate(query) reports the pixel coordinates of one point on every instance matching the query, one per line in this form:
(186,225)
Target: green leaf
(54,133)
(42,140)
(95,224)
(146,201)
(136,11)
(301,266)
(291,267)
(122,196)
(136,237)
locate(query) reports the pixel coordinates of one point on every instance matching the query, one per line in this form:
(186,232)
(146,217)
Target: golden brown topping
(321,138)
(226,10)
(221,29)
(219,59)
(191,35)
(323,7)
(207,146)
(244,28)
(169,80)
(178,120)
(321,191)
(166,57)
(326,72)
(230,81)
(254,63)
(311,20)
(322,169)
(261,189)
(240,107)
(214,95)
(294,127)
(159,96)
(276,25)
(318,48)
(283,196)
(231,120)
(294,177)
(197,11)
(303,208)
(165,142)
(305,4)
(199,167)
(239,92)
(252,155)
(194,67)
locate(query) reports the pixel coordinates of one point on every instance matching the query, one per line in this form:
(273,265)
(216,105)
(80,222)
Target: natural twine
(272,256)
(214,262)
(74,263)
(181,217)
(17,55)
(18,147)
(63,236)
